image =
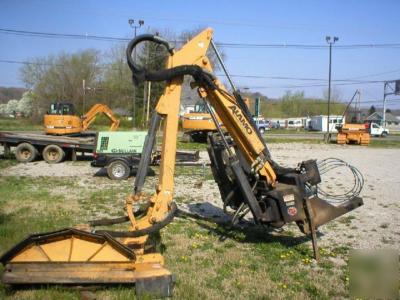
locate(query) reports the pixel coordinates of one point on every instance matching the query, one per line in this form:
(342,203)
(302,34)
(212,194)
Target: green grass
(293,140)
(384,143)
(210,261)
(19,124)
(5,163)
(247,264)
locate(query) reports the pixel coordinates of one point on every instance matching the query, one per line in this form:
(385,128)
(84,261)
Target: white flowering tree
(12,106)
(25,104)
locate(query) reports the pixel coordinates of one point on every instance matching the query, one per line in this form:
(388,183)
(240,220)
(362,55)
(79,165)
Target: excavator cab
(59,108)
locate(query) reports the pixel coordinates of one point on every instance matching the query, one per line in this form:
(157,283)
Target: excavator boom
(96,109)
(250,181)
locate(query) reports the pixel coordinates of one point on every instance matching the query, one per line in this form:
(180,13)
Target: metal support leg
(146,153)
(312,229)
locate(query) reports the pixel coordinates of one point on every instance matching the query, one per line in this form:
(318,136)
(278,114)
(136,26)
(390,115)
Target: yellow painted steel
(62,124)
(68,258)
(226,107)
(73,258)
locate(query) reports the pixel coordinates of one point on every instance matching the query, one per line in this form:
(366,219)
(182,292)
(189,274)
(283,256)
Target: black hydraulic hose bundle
(140,74)
(154,228)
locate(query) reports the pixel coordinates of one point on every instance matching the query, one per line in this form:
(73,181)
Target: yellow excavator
(62,120)
(250,182)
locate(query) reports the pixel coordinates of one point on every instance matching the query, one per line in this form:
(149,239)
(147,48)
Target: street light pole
(135,27)
(330,41)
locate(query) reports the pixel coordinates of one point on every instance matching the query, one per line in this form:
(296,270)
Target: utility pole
(135,27)
(84,95)
(330,41)
(384,104)
(391,87)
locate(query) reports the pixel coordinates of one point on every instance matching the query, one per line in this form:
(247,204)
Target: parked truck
(378,130)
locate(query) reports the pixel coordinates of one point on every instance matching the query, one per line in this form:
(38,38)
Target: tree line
(296,104)
(90,76)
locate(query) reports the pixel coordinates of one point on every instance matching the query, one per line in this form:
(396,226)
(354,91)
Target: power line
(62,35)
(375,74)
(319,102)
(303,79)
(235,75)
(222,44)
(313,85)
(305,46)
(28,63)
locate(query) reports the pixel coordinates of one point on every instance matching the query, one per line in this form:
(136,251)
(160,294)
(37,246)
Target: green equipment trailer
(120,151)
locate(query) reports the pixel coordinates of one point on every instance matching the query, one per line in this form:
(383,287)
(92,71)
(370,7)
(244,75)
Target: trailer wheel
(26,152)
(53,154)
(118,170)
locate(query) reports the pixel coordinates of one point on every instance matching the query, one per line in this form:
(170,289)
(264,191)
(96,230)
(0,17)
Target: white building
(320,123)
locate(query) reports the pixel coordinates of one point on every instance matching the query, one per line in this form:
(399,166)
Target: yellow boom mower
(250,181)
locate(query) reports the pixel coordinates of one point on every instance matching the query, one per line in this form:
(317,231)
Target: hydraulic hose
(156,227)
(140,74)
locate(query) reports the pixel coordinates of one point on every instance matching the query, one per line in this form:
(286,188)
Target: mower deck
(76,257)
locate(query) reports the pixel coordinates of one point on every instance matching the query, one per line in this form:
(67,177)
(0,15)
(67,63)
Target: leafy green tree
(60,78)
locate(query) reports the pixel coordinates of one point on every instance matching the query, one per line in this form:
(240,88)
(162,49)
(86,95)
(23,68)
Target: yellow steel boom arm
(96,109)
(228,109)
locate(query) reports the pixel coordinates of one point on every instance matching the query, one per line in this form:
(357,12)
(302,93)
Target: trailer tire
(53,154)
(118,170)
(26,152)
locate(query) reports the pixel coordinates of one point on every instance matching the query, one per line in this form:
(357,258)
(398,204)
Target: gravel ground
(374,225)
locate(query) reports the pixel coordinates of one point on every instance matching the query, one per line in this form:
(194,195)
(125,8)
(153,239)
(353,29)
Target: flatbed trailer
(30,146)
